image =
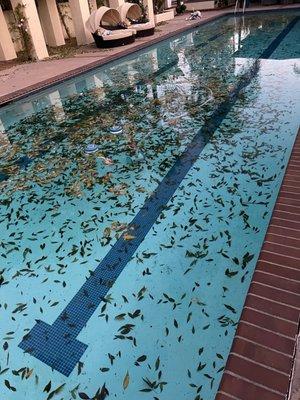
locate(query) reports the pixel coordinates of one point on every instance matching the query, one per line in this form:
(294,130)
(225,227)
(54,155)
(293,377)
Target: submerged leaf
(126,381)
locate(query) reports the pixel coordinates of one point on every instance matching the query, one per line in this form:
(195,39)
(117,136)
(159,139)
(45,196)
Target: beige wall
(65,9)
(164,16)
(115,3)
(7,51)
(150,10)
(50,22)
(80,13)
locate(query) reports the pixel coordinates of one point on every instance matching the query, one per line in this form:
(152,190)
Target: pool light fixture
(91,148)
(116,129)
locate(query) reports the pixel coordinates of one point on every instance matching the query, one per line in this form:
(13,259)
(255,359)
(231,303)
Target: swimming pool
(129,267)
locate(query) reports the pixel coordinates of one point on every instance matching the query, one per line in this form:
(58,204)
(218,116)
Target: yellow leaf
(29,372)
(126,381)
(128,237)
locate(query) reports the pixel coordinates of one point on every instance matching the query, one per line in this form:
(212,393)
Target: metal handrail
(237,6)
(244,6)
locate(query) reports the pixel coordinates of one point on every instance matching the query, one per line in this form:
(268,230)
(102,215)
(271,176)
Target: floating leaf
(200,366)
(56,391)
(47,388)
(120,317)
(126,381)
(157,362)
(236,260)
(127,236)
(141,358)
(83,396)
(230,308)
(230,273)
(8,385)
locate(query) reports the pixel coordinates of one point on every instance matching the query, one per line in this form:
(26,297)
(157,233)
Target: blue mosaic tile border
(56,345)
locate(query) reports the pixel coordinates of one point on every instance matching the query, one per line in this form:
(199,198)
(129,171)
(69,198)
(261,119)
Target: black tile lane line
(56,345)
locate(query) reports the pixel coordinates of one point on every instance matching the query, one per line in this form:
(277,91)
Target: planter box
(164,16)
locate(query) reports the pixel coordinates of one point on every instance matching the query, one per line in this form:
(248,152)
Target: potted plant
(181,7)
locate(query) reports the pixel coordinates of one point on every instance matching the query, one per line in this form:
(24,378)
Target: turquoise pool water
(209,119)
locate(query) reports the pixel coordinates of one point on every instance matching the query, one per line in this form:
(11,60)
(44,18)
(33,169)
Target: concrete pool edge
(47,83)
(261,358)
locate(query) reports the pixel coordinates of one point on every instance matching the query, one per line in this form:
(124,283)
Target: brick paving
(262,355)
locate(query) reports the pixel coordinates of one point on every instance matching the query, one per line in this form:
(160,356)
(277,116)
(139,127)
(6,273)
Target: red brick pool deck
(262,354)
(261,360)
